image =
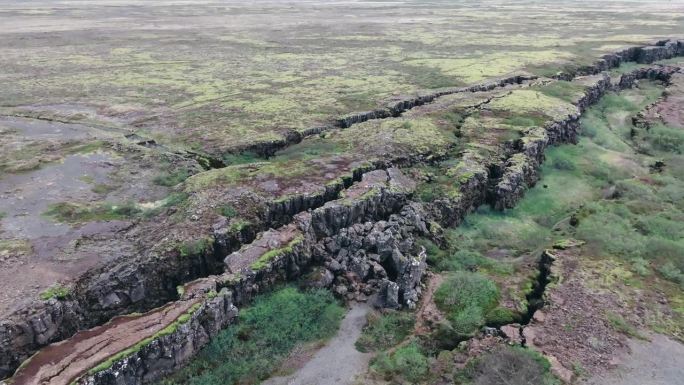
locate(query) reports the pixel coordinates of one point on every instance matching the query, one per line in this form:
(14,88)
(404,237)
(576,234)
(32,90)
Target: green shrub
(611,234)
(247,352)
(508,365)
(465,298)
(563,161)
(227,211)
(500,316)
(405,365)
(672,273)
(663,138)
(384,330)
(640,266)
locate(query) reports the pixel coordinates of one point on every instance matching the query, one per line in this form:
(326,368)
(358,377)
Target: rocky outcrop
(665,49)
(144,282)
(362,223)
(375,261)
(657,72)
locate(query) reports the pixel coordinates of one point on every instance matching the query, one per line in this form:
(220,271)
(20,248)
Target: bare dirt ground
(658,361)
(338,362)
(427,315)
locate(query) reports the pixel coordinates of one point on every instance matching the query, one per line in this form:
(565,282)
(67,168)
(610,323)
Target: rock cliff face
(665,49)
(345,245)
(361,245)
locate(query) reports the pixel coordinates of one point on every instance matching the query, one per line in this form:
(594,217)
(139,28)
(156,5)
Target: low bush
(385,330)
(466,298)
(407,364)
(672,273)
(508,365)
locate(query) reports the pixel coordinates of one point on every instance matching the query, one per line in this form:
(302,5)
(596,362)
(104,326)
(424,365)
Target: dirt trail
(659,361)
(64,362)
(338,362)
(428,314)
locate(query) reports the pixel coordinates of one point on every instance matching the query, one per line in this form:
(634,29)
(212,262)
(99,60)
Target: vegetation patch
(466,298)
(407,364)
(266,258)
(249,351)
(508,365)
(55,291)
(384,330)
(74,213)
(195,248)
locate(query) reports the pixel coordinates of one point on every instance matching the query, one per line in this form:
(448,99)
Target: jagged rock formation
(362,246)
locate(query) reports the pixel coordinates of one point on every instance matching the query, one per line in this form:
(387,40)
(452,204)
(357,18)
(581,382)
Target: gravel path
(659,361)
(338,362)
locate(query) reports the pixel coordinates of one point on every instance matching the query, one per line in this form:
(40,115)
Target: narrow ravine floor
(338,362)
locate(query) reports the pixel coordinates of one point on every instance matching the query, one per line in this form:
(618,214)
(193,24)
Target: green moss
(501,316)
(564,90)
(196,247)
(56,291)
(73,213)
(266,258)
(239,224)
(530,102)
